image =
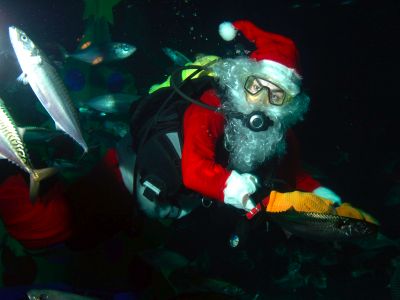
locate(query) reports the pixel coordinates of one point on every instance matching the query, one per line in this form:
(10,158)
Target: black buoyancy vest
(156,130)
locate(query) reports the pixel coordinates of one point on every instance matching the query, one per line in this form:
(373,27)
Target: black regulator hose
(256,121)
(177,87)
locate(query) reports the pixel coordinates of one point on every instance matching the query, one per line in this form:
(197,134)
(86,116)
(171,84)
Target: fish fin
(2,156)
(27,128)
(58,127)
(85,151)
(288,234)
(23,78)
(58,64)
(36,177)
(21,131)
(37,60)
(63,51)
(33,188)
(97,60)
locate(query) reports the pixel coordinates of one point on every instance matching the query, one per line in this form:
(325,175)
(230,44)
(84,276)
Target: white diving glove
(238,189)
(326,193)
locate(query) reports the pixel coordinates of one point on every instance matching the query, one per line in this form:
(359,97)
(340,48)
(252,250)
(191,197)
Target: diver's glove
(238,189)
(326,193)
(297,201)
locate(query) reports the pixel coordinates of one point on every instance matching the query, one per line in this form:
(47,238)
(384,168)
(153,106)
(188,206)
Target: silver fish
(177,57)
(48,294)
(32,134)
(116,128)
(395,279)
(63,164)
(13,149)
(95,54)
(179,272)
(323,227)
(112,103)
(47,85)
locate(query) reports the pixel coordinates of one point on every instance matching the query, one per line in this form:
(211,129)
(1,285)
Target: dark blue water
(349,60)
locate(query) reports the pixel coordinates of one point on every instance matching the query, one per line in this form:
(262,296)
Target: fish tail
(63,51)
(85,150)
(395,283)
(36,177)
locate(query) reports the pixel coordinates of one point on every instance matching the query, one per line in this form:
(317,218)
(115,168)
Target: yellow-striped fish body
(322,226)
(13,149)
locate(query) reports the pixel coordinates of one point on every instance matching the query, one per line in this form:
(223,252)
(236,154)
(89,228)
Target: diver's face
(263,92)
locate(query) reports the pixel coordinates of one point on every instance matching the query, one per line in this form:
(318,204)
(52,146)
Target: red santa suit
(276,60)
(202,128)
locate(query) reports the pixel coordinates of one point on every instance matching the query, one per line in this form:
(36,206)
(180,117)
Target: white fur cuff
(238,188)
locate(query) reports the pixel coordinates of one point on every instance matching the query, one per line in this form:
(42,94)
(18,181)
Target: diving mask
(259,90)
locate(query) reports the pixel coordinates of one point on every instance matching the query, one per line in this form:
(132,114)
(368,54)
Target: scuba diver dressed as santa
(235,145)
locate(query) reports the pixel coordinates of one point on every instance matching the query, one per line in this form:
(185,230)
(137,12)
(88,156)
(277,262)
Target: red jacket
(34,225)
(202,128)
(94,204)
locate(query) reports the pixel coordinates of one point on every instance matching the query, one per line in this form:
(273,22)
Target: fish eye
(24,38)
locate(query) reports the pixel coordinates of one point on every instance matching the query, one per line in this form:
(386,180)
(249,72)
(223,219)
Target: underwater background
(349,139)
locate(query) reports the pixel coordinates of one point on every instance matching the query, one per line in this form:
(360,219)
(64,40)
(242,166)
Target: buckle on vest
(154,188)
(206,202)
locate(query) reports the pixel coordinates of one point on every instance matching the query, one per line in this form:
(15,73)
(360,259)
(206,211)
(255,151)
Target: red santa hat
(278,55)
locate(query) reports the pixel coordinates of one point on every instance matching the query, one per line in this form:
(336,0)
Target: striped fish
(13,149)
(323,227)
(47,85)
(395,279)
(55,295)
(118,103)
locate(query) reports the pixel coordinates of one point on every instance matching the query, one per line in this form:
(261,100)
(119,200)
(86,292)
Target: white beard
(249,149)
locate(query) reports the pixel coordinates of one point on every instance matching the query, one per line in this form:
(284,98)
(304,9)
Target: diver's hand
(298,201)
(238,189)
(326,193)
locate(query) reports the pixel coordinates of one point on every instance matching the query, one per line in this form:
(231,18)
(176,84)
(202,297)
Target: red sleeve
(201,130)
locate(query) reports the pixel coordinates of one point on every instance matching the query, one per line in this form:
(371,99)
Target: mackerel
(47,85)
(13,149)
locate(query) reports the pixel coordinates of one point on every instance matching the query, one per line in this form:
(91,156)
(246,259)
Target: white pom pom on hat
(227,31)
(270,46)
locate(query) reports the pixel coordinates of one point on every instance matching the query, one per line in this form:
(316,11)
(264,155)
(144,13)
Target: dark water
(349,60)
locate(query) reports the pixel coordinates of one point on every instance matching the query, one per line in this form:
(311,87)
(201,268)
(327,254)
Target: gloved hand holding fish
(314,217)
